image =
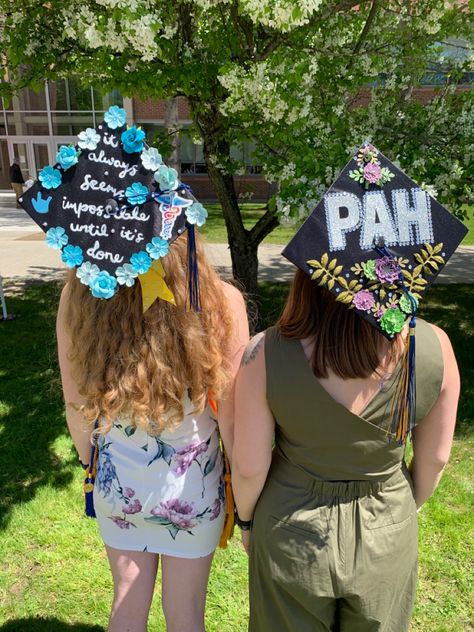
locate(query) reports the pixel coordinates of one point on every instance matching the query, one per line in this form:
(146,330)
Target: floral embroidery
(126,275)
(132,139)
(103,285)
(72,256)
(369,170)
(88,139)
(157,248)
(56,238)
(387,270)
(363,300)
(67,156)
(50,177)
(151,159)
(141,262)
(115,117)
(86,272)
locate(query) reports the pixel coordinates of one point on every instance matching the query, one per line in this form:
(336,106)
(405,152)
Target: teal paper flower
(392,320)
(56,238)
(72,256)
(86,272)
(157,248)
(167,178)
(132,139)
(88,139)
(67,156)
(196,214)
(103,285)
(50,177)
(151,159)
(115,117)
(141,262)
(406,304)
(136,193)
(126,275)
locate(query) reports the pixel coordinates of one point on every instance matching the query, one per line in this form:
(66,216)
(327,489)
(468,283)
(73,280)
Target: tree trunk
(172,126)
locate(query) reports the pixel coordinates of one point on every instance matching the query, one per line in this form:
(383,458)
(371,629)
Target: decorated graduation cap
(112,208)
(377,241)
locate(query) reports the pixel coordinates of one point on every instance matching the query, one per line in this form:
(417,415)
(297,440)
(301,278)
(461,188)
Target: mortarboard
(111,207)
(377,241)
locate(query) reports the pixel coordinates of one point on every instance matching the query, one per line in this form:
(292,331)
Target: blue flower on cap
(196,214)
(72,256)
(56,238)
(136,193)
(86,272)
(141,262)
(132,139)
(103,285)
(67,156)
(115,117)
(157,248)
(151,159)
(50,177)
(88,139)
(167,178)
(126,275)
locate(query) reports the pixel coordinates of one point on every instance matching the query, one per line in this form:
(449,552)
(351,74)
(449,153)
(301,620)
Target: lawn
(215,231)
(54,575)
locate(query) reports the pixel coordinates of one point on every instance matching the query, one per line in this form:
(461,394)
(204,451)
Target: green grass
(215,232)
(54,575)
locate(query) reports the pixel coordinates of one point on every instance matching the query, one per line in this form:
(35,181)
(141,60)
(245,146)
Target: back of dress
(162,494)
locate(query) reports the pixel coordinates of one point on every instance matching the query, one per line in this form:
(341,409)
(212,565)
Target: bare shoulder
(233,295)
(253,350)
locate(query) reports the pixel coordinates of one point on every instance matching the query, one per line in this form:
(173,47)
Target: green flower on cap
(406,304)
(392,320)
(369,270)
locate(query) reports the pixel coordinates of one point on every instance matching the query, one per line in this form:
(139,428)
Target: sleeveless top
(322,437)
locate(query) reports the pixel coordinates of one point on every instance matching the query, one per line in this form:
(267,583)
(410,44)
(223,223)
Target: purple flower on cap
(372,172)
(363,300)
(387,270)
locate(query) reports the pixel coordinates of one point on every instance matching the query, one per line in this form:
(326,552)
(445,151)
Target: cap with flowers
(377,241)
(111,207)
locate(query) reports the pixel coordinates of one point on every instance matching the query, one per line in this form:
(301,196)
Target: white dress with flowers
(162,494)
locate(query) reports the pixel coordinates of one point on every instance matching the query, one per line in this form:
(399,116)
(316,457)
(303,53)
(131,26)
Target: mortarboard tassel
(193,275)
(89,481)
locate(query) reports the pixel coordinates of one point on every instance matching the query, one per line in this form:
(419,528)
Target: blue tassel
(193,275)
(90,480)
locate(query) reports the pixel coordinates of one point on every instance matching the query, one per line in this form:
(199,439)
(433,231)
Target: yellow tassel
(154,286)
(399,409)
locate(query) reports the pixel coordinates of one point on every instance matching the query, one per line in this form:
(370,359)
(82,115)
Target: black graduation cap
(111,206)
(376,240)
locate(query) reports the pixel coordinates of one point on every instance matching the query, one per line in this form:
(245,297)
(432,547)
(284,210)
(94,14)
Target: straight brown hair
(344,342)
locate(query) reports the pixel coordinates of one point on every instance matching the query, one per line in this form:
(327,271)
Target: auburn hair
(140,365)
(344,342)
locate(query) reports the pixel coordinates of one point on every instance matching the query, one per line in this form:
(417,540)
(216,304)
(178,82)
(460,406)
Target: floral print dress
(162,494)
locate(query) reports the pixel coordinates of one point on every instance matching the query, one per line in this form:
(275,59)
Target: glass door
(40,157)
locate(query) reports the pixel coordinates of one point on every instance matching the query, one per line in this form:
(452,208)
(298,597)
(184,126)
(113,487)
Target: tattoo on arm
(252,350)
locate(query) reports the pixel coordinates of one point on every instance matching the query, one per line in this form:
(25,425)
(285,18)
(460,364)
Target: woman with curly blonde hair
(147,378)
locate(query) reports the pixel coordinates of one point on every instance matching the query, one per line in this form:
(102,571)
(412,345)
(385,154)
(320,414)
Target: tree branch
(366,29)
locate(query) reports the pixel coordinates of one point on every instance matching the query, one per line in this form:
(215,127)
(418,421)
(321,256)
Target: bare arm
(78,429)
(254,428)
(237,346)
(433,437)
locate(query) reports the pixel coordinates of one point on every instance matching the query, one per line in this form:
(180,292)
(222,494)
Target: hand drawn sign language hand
(41,205)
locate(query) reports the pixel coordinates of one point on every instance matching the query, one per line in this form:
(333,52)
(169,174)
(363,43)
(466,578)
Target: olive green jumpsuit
(334,538)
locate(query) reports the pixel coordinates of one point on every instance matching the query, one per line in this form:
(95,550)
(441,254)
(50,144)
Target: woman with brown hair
(147,377)
(329,514)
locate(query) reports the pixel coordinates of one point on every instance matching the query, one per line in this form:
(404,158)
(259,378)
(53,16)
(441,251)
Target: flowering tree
(305,80)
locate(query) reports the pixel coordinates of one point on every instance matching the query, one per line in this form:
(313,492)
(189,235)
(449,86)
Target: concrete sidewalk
(24,256)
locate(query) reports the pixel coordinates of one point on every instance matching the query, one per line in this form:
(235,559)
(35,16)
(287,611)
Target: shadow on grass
(47,625)
(31,407)
(450,306)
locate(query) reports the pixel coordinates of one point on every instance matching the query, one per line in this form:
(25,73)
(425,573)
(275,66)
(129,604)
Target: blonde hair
(140,365)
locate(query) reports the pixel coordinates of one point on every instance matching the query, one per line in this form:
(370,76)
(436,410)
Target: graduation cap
(111,207)
(377,241)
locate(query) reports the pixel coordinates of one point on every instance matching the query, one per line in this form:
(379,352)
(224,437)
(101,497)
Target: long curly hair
(139,366)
